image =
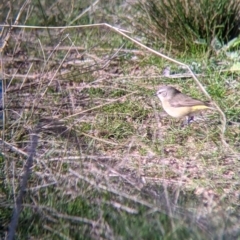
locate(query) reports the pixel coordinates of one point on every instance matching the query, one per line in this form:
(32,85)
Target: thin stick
(99,139)
(85,11)
(15,24)
(23,185)
(99,106)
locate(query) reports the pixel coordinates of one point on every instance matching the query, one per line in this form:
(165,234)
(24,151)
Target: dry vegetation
(108,161)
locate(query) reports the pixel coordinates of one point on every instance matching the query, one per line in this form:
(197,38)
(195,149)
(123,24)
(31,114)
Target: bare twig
(91,7)
(15,24)
(112,190)
(11,147)
(99,106)
(18,205)
(99,139)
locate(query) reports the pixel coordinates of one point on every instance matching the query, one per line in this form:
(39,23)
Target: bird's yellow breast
(178,112)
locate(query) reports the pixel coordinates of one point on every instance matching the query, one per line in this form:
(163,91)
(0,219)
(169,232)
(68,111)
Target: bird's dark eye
(163,93)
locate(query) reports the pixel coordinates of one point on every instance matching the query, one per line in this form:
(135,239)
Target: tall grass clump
(188,24)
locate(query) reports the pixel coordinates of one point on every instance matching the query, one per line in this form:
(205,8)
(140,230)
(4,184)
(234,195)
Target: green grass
(188,26)
(110,164)
(105,217)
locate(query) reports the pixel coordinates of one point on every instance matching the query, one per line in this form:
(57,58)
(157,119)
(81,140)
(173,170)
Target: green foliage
(217,90)
(96,92)
(184,25)
(69,217)
(56,13)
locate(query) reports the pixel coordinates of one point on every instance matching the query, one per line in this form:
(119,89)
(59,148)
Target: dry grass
(105,151)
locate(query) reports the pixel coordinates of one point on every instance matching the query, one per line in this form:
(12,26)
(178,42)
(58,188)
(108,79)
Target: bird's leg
(190,119)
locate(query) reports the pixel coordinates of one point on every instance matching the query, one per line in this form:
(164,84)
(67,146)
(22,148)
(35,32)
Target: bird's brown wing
(181,100)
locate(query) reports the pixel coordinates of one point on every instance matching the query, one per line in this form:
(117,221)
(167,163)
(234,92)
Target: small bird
(178,105)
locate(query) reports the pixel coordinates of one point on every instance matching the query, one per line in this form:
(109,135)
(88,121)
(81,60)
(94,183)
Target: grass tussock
(189,25)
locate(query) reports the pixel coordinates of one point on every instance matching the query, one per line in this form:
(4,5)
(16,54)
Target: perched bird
(178,105)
